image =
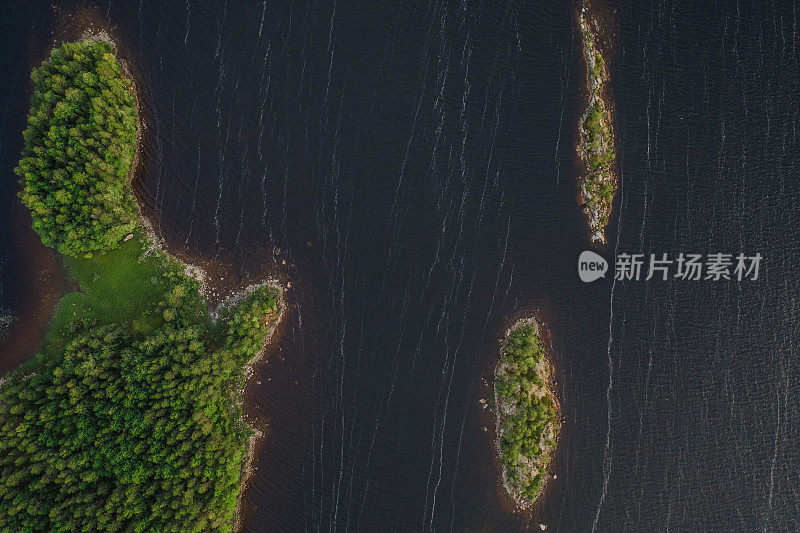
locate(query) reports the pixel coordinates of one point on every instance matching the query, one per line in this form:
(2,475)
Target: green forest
(79,145)
(129,417)
(528,421)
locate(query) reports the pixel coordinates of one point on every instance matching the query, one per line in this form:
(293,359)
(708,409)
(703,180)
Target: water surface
(414,165)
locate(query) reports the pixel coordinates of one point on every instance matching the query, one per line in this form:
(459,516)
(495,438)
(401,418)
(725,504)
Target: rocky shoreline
(596,146)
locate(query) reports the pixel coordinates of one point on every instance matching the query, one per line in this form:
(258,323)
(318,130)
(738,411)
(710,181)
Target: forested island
(527,413)
(129,418)
(596,147)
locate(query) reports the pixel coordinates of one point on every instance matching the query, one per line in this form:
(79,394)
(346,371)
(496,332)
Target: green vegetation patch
(600,141)
(597,65)
(527,416)
(79,145)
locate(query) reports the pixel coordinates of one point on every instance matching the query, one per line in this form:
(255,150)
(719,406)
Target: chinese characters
(688,267)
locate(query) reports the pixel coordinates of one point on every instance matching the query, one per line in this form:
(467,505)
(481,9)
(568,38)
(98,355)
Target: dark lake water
(414,164)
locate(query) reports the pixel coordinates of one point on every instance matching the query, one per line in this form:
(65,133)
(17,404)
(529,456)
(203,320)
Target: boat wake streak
(607,448)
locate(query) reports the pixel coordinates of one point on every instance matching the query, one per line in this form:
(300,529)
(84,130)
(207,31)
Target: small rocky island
(596,147)
(527,413)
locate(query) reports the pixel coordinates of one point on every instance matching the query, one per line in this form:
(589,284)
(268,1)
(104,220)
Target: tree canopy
(79,144)
(127,432)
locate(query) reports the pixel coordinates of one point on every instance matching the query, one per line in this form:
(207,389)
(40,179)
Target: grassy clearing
(123,285)
(120,285)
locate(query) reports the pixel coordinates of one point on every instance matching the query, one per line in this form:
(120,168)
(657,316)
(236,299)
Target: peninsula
(129,418)
(596,146)
(527,413)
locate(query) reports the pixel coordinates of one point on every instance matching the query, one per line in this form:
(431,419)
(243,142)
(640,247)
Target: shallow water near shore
(412,170)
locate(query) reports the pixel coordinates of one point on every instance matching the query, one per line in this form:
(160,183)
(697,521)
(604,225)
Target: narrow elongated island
(129,418)
(527,413)
(596,146)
